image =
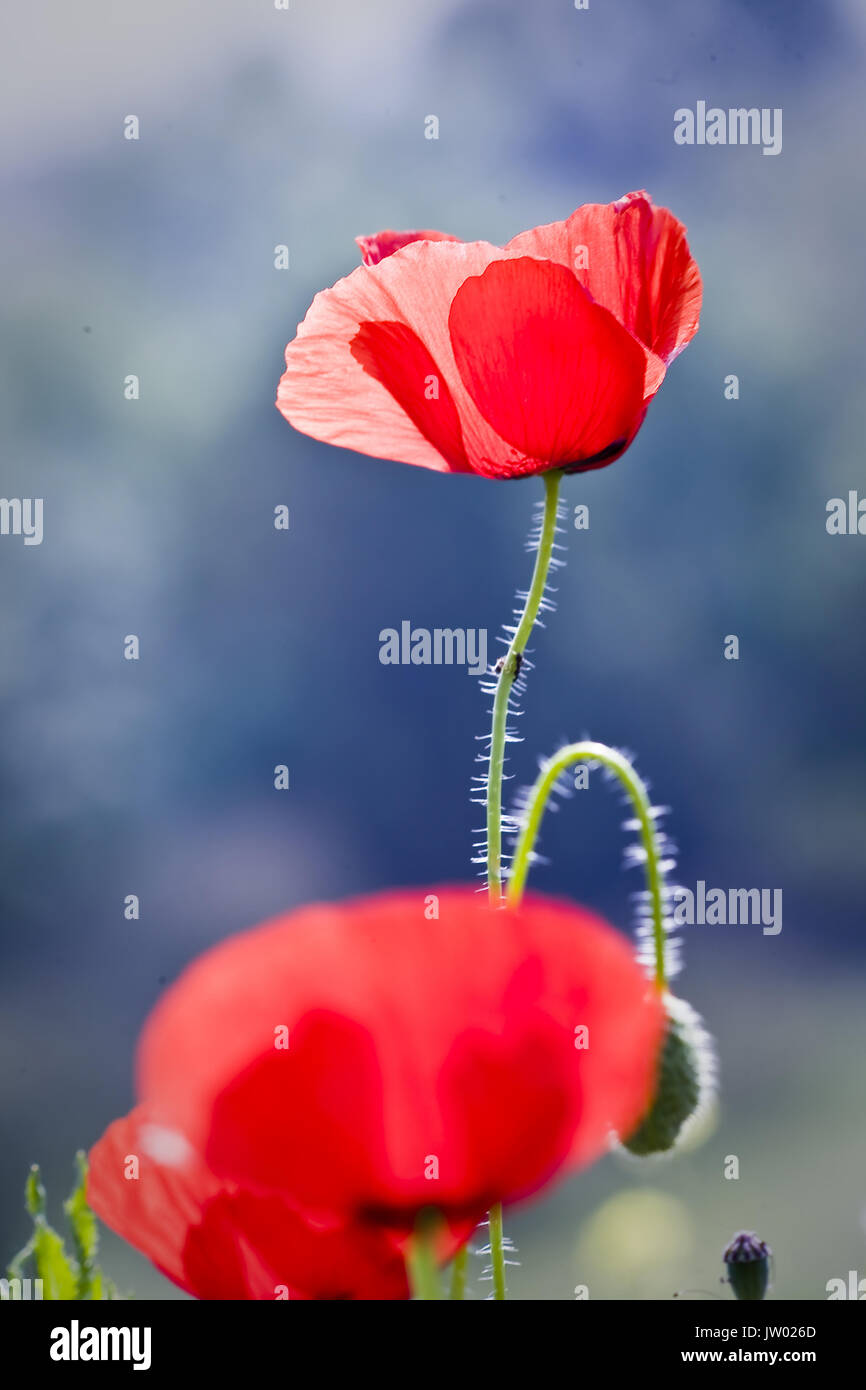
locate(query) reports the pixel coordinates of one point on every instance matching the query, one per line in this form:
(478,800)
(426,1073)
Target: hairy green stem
(497,1252)
(551,771)
(507,676)
(498,733)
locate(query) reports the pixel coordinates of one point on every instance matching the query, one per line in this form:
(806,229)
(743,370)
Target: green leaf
(67,1277)
(15,1268)
(58,1272)
(34,1192)
(85,1232)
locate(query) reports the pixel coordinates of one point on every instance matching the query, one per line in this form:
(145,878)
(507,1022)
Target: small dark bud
(747,1260)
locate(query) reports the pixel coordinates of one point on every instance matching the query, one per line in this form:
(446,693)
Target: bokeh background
(260,127)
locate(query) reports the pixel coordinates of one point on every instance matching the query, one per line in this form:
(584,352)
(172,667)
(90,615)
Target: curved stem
(507,676)
(551,771)
(497,1252)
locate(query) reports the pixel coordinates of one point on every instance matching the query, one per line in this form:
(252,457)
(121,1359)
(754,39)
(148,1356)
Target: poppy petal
(153,1205)
(554,373)
(218,1242)
(342,366)
(395,355)
(375,248)
(634,259)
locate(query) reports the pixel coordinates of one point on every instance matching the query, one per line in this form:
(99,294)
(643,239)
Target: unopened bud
(747,1260)
(686,1071)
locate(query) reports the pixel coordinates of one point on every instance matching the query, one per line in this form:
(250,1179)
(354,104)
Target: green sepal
(749,1281)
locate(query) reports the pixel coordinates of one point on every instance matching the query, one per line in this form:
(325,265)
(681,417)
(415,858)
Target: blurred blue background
(260,127)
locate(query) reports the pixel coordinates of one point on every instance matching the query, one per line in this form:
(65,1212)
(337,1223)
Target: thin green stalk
(551,771)
(459,1271)
(507,676)
(497,1252)
(422,1265)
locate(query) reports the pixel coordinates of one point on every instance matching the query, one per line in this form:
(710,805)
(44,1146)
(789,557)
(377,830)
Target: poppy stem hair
(497,1251)
(645,818)
(508,673)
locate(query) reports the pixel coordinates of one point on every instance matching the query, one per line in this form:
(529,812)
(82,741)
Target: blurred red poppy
(219,1241)
(471,358)
(367,1060)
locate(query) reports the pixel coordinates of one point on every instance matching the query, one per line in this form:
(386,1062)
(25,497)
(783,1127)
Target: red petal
(375,248)
(554,373)
(410,1040)
(343,364)
(156,1210)
(225,1243)
(638,265)
(278,1252)
(395,355)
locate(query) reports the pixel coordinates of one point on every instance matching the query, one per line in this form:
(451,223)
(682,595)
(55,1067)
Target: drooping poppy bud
(747,1260)
(686,1070)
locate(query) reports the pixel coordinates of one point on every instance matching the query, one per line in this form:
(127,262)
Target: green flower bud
(685,1080)
(747,1260)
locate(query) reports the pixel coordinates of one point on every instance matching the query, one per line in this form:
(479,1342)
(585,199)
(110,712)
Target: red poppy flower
(364,1061)
(471,358)
(219,1241)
